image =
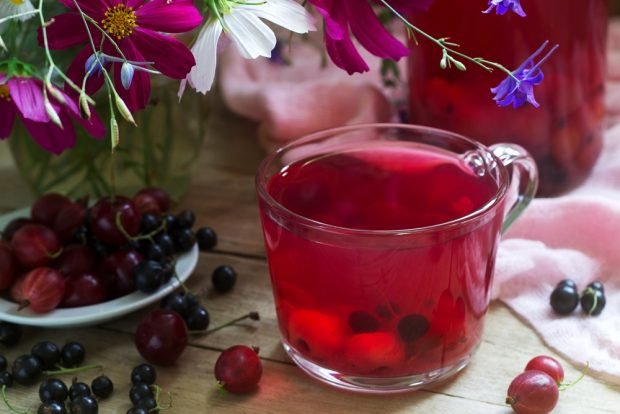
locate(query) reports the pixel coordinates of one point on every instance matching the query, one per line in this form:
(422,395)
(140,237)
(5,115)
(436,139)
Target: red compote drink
(381,259)
(564,134)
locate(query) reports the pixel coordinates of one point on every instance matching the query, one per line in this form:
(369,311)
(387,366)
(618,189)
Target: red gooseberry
(238,369)
(533,392)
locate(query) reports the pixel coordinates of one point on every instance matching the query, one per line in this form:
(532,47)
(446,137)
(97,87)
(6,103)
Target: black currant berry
(148,403)
(185,219)
(53,389)
(596,285)
(3,363)
(183,239)
(52,407)
(138,410)
(84,404)
(143,374)
(78,389)
(6,378)
(198,319)
(593,302)
(48,352)
(564,298)
(27,369)
(139,391)
(10,334)
(181,302)
(102,386)
(170,222)
(412,327)
(165,242)
(224,278)
(148,276)
(363,322)
(155,252)
(72,354)
(206,238)
(149,223)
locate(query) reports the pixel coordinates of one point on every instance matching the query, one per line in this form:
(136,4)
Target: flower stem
(483,63)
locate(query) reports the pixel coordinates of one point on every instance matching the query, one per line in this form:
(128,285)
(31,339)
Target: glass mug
(381,242)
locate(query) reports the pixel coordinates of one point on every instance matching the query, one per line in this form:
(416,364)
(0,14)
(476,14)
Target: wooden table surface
(222,196)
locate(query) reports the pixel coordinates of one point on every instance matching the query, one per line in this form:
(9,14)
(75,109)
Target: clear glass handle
(523,179)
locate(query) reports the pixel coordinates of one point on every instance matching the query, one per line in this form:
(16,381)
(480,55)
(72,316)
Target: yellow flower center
(17,2)
(5,93)
(119,21)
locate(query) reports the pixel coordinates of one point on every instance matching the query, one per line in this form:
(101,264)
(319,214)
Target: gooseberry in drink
(238,369)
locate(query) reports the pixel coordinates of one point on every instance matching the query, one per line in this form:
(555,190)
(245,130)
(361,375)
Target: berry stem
(251,315)
(590,291)
(67,371)
(6,401)
(565,385)
(159,407)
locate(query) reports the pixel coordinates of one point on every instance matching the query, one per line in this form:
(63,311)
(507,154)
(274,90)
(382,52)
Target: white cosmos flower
(241,22)
(13,7)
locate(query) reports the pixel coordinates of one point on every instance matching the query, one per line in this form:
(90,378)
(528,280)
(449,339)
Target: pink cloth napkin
(574,236)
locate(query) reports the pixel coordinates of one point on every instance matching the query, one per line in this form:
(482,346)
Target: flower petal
(408,7)
(7,117)
(65,31)
(285,13)
(51,137)
(169,56)
(369,31)
(28,98)
(251,36)
(345,56)
(167,16)
(333,29)
(202,75)
(94,9)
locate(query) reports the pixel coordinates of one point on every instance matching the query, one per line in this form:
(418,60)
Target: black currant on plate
(3,363)
(148,276)
(185,219)
(564,298)
(184,240)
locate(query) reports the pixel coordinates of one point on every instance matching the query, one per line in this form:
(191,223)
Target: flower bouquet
(85,77)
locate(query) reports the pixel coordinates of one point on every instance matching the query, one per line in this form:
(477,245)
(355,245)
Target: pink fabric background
(574,236)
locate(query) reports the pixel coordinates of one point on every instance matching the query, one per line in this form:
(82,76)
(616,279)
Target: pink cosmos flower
(359,17)
(23,96)
(136,27)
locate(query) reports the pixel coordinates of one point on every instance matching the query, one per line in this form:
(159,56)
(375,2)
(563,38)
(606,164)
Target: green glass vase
(161,151)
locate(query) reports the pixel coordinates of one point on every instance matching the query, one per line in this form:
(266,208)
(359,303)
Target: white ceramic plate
(94,314)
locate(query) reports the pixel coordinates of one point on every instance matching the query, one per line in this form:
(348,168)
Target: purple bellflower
(503,6)
(518,88)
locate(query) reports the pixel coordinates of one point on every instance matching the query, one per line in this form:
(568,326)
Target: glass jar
(565,133)
(161,151)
